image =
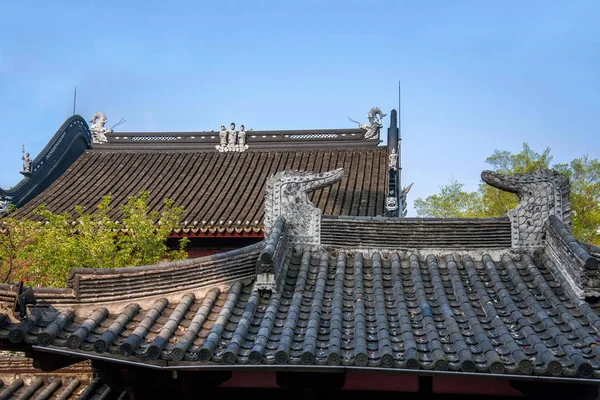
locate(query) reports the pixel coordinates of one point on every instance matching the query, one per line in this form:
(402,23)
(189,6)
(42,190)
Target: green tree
(584,175)
(487,201)
(451,202)
(62,241)
(496,202)
(147,230)
(15,236)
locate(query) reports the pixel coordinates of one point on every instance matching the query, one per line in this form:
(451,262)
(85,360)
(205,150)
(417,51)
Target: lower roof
(488,312)
(42,386)
(21,379)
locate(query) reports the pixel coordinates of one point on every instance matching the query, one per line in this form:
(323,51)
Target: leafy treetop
(44,250)
(584,174)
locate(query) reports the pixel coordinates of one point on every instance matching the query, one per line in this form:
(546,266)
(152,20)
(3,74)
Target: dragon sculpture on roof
(375,124)
(286,194)
(541,193)
(98,130)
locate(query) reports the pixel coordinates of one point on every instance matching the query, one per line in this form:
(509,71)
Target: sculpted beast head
(286,195)
(541,193)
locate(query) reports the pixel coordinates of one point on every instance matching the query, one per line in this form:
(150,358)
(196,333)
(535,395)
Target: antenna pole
(399,136)
(74,99)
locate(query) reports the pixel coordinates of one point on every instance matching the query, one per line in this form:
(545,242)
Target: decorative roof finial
(26,163)
(232,136)
(375,124)
(393,160)
(286,194)
(98,130)
(232,140)
(5,202)
(541,193)
(223,137)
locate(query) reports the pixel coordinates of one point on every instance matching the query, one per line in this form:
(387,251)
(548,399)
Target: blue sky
(476,75)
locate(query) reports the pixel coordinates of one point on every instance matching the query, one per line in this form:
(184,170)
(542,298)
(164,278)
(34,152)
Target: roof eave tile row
(466,311)
(92,285)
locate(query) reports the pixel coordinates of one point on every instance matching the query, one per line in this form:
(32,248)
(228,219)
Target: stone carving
(231,136)
(287,195)
(391,202)
(223,136)
(241,137)
(393,160)
(98,130)
(541,193)
(232,140)
(4,204)
(26,164)
(403,196)
(375,124)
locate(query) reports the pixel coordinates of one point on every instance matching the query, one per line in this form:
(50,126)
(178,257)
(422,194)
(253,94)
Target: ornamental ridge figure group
(232,140)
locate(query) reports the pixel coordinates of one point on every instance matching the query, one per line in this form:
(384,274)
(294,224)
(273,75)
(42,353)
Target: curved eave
(182,365)
(67,144)
(112,286)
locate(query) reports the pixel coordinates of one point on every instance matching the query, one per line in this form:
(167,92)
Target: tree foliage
(584,175)
(495,202)
(487,201)
(43,250)
(18,236)
(451,202)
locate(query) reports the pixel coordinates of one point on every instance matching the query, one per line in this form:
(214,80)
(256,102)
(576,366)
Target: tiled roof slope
(20,379)
(416,233)
(55,387)
(517,308)
(223,190)
(90,286)
(491,312)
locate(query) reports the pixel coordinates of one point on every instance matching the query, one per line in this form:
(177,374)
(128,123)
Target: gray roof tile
(462,311)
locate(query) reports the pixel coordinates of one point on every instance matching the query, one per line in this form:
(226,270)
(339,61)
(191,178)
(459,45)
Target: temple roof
(515,305)
(218,177)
